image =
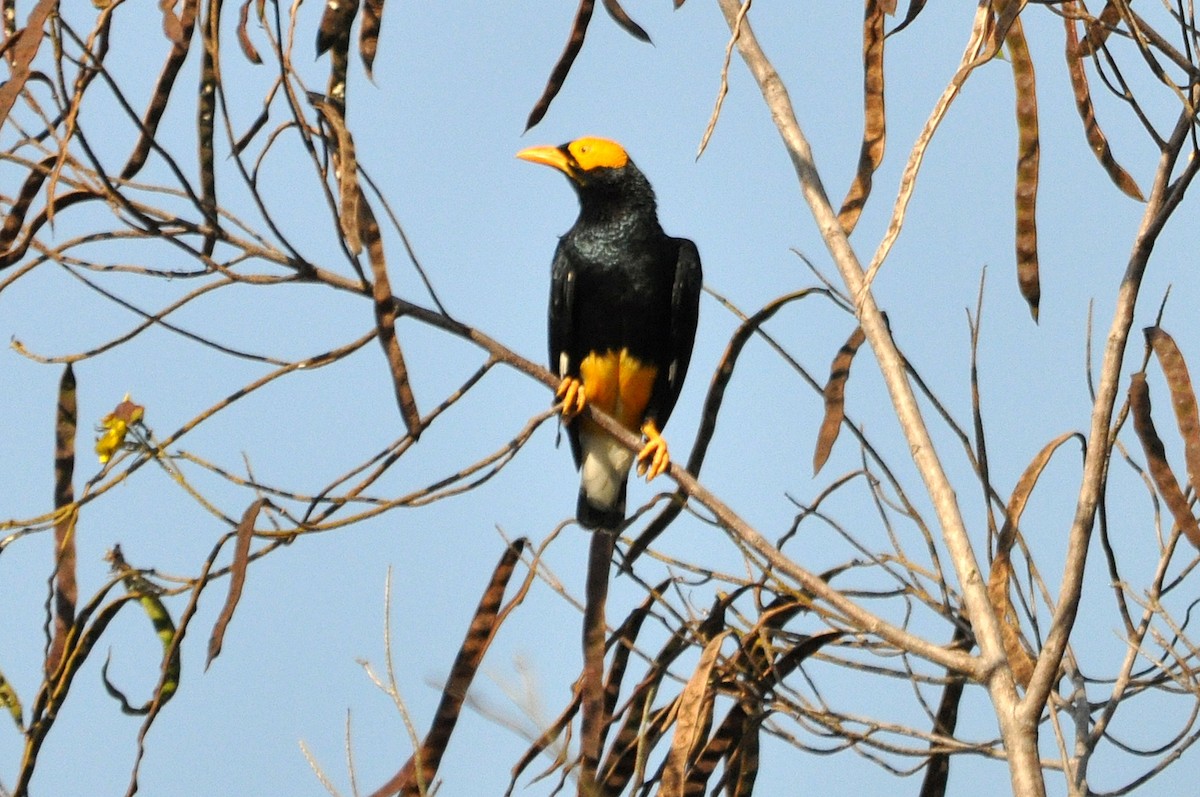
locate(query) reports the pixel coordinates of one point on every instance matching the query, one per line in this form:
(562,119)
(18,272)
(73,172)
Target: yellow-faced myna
(624,302)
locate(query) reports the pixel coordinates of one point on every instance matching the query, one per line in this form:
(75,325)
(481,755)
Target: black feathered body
(623,313)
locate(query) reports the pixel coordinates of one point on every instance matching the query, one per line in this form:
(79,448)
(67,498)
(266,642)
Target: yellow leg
(653,458)
(570,392)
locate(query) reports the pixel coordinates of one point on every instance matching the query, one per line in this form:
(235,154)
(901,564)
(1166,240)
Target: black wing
(685,316)
(563,278)
(562,312)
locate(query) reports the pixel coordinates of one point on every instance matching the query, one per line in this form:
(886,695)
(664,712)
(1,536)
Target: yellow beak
(548,156)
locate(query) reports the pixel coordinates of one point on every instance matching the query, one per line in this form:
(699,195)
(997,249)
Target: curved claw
(570,392)
(653,459)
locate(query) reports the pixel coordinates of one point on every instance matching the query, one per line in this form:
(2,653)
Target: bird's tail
(603,477)
(608,518)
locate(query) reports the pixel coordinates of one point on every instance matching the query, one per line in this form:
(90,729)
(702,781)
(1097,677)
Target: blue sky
(438,129)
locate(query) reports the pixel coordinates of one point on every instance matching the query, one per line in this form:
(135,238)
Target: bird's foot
(654,458)
(570,392)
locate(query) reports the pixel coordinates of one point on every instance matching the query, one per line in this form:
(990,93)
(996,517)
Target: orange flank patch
(619,384)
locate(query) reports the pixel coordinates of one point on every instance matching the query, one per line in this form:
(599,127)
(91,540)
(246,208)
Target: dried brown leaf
(54,691)
(255,127)
(21,49)
(1005,15)
(360,228)
(1099,28)
(558,75)
(147,595)
(1019,658)
(1156,458)
(741,768)
(244,35)
(621,642)
(945,721)
(980,49)
(729,735)
(385,318)
(162,91)
(613,7)
(1183,398)
(368,33)
(335,24)
(334,37)
(1021,493)
(81,647)
(835,398)
(629,760)
(65,588)
(206,120)
(693,715)
(637,731)
(736,738)
(753,658)
(470,655)
(642,729)
(14,254)
(874,118)
(1028,156)
(914,9)
(20,206)
(796,655)
(1096,139)
(237,578)
(562,67)
(172,24)
(350,199)
(385,321)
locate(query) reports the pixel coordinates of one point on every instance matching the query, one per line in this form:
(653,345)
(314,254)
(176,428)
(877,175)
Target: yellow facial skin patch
(597,153)
(581,156)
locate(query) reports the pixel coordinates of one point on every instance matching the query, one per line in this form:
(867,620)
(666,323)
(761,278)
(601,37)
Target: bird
(624,307)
